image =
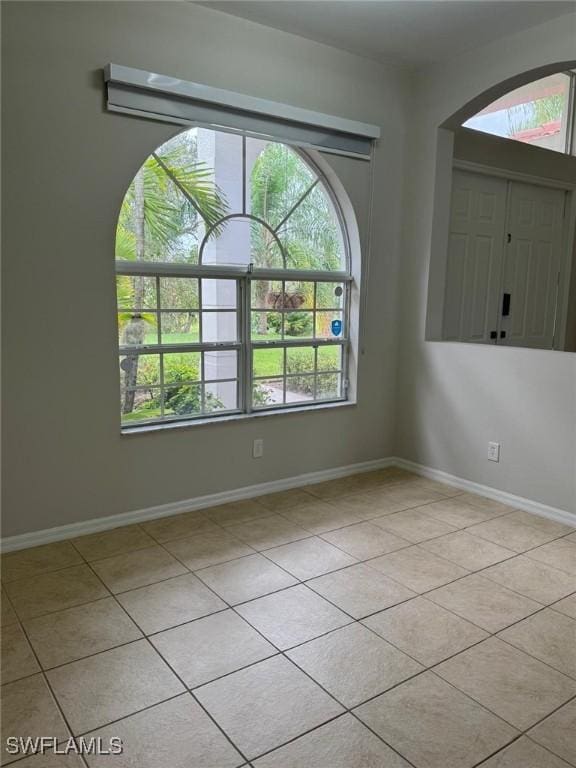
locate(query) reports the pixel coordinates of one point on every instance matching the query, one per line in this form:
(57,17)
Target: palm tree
(280,182)
(169,196)
(535,113)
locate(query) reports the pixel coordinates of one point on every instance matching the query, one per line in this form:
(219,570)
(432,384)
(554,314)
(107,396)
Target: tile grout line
(300,582)
(525,734)
(202,514)
(157,653)
(284,655)
(305,642)
(498,751)
(548,749)
(428,591)
(313,680)
(349,710)
(494,714)
(50,690)
(311,534)
(131,714)
(367,560)
(408,542)
(352,621)
(567,675)
(365,519)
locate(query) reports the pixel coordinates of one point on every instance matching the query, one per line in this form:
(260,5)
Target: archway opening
(502,266)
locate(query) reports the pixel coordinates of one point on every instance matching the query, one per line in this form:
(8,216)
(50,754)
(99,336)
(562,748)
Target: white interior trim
(152,81)
(152,96)
(48,535)
(529,178)
(569,249)
(517,502)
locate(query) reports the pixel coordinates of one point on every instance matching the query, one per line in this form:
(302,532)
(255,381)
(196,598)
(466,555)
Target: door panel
(481,273)
(475,256)
(531,264)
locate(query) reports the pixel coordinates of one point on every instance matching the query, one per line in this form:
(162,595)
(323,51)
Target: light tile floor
(376,621)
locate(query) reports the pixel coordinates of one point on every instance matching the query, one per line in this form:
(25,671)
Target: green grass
(172,338)
(140,414)
(187,338)
(267,362)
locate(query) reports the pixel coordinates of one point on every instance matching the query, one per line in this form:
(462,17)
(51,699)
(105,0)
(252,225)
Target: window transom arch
(542,113)
(252,224)
(233,282)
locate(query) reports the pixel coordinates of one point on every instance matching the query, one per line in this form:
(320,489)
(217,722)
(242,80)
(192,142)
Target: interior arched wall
(477,103)
(454,398)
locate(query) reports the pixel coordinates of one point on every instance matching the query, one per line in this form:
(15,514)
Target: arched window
(233,276)
(542,113)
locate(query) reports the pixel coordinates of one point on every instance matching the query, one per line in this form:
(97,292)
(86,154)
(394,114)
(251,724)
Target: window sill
(144,429)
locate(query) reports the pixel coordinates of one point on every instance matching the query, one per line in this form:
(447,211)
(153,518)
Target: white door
(475,257)
(532,263)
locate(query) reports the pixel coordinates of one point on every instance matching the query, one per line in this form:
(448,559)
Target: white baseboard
(518,502)
(36,538)
(61,532)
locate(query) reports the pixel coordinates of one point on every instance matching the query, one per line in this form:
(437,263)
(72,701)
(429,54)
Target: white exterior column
(223,153)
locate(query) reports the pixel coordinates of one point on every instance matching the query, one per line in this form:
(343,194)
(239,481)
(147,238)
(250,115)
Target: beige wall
(454,398)
(67,164)
(497,152)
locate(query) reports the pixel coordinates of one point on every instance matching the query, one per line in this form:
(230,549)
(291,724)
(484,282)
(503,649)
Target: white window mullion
(246,340)
(316,370)
(182,285)
(193,346)
(161,355)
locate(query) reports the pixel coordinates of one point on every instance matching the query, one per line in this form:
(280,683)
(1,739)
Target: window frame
(570,138)
(244,345)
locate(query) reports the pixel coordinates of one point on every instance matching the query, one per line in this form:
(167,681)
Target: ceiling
(409,33)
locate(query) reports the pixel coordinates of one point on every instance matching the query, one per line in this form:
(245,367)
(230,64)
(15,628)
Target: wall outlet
(258,449)
(493,451)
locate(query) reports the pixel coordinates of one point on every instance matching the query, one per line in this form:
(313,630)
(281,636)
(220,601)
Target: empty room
(289,384)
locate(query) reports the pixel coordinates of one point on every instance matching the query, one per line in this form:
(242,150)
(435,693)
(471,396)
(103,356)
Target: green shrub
(179,369)
(260,396)
(300,360)
(298,324)
(303,384)
(295,324)
(188,400)
(327,385)
(184,400)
